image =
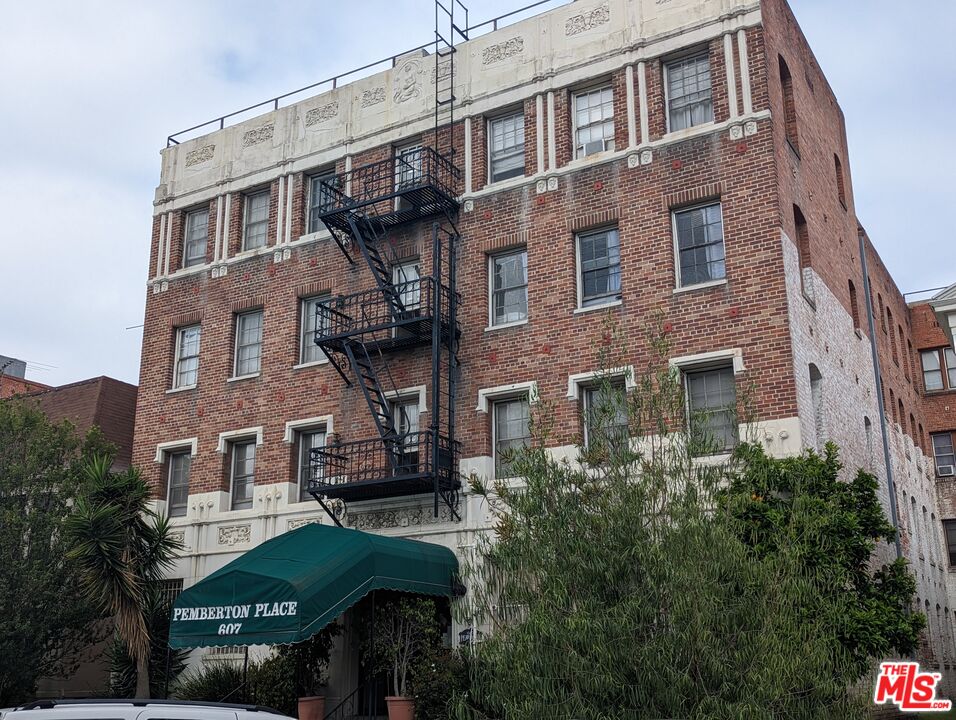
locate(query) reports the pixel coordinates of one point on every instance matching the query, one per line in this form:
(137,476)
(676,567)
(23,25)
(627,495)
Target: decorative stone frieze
(502,51)
(373,97)
(235,534)
(258,135)
(300,522)
(200,155)
(321,113)
(400,516)
(589,20)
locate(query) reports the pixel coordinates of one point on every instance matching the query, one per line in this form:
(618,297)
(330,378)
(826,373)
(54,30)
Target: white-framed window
(699,244)
(321,197)
(605,414)
(308,440)
(506,147)
(186,367)
(177,492)
(195,236)
(688,87)
(511,431)
(944,453)
(408,165)
(599,267)
(309,322)
(711,399)
(406,414)
(248,343)
(243,474)
(508,291)
(255,223)
(406,277)
(593,121)
(939,369)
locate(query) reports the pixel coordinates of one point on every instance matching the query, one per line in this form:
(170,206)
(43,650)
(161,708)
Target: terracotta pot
(312,708)
(400,708)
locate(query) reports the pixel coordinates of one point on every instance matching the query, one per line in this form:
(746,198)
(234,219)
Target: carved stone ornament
(406,81)
(552,183)
(647,157)
(469,205)
(200,155)
(443,72)
(589,20)
(373,97)
(541,186)
(502,51)
(319,114)
(178,536)
(300,522)
(633,160)
(750,128)
(235,534)
(736,132)
(258,135)
(404,516)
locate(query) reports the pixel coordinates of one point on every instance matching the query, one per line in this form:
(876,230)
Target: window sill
(505,326)
(312,237)
(237,378)
(314,363)
(184,388)
(595,308)
(673,135)
(700,286)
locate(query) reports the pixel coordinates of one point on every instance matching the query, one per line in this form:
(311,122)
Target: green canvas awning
(288,588)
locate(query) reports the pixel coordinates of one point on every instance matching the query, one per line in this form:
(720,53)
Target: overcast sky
(90,90)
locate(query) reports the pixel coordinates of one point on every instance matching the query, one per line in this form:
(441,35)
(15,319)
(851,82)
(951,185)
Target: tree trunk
(142,677)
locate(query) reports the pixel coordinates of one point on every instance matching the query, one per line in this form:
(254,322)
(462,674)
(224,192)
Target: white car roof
(139,710)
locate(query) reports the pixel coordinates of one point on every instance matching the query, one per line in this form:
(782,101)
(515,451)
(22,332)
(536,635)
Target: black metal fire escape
(363,332)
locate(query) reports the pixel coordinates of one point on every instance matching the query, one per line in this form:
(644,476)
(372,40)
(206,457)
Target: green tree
(835,527)
(121,548)
(628,584)
(45,622)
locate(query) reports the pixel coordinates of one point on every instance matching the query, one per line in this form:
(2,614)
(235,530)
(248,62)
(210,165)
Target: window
(321,198)
(506,146)
(243,474)
(186,370)
(939,369)
(197,231)
(509,287)
(408,166)
(868,433)
(406,276)
(879,297)
(889,322)
(689,101)
(841,188)
(310,321)
(255,223)
(909,359)
(816,397)
(854,306)
(700,245)
(803,250)
(168,590)
(593,121)
(599,268)
(405,415)
(308,440)
(949,526)
(903,350)
(177,493)
(605,415)
(712,409)
(789,106)
(511,432)
(943,452)
(248,343)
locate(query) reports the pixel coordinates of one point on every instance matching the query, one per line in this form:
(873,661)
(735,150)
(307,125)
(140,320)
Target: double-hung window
(712,409)
(321,198)
(243,474)
(599,267)
(311,321)
(605,415)
(509,287)
(178,489)
(406,277)
(593,121)
(511,432)
(689,101)
(408,165)
(194,242)
(944,453)
(699,234)
(255,223)
(308,441)
(506,146)
(186,370)
(949,527)
(939,369)
(248,343)
(405,415)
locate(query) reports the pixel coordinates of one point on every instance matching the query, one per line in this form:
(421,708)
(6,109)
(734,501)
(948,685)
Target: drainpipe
(890,484)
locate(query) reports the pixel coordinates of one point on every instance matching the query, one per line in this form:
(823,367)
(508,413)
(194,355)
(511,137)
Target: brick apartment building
(612,157)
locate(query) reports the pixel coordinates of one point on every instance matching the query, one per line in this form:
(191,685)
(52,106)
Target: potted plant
(404,631)
(311,660)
